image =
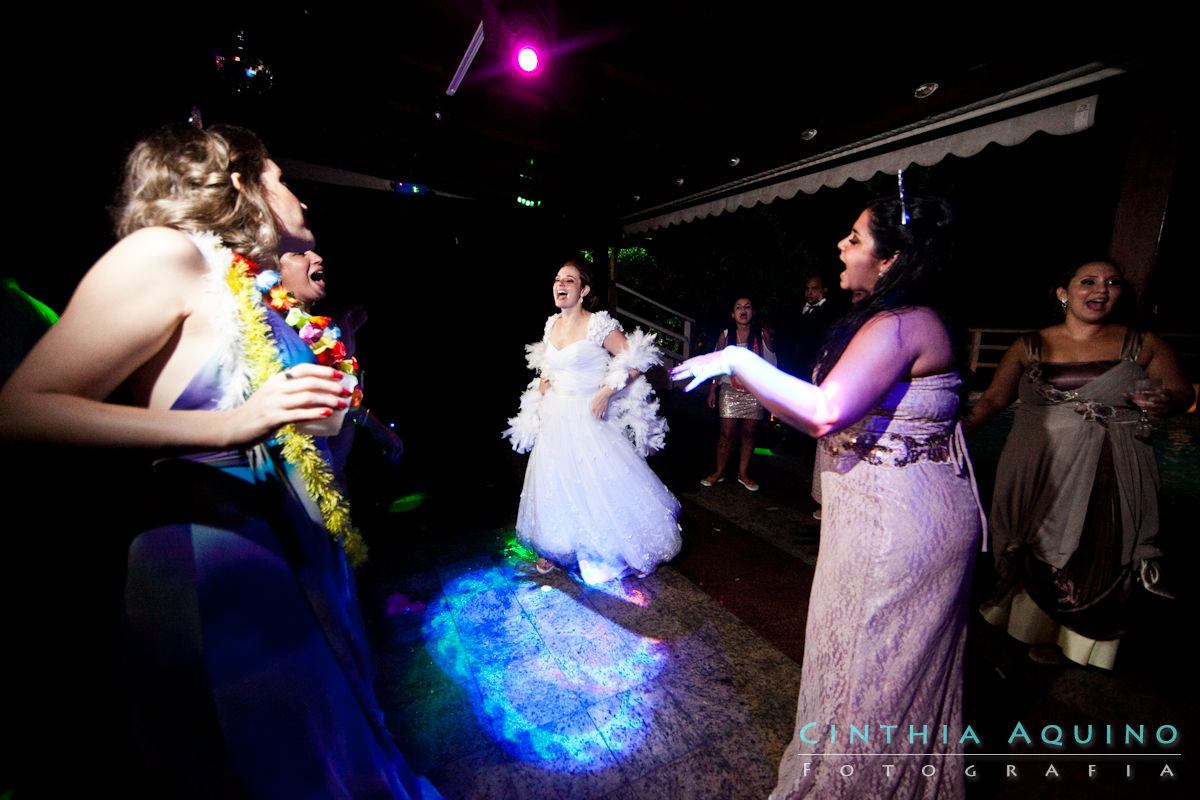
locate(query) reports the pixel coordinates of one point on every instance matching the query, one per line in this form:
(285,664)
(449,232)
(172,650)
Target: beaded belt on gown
(892,449)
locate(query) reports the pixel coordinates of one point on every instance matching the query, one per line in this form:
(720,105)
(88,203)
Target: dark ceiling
(634,97)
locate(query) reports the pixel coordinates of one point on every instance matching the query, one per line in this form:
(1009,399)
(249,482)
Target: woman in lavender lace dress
(882,670)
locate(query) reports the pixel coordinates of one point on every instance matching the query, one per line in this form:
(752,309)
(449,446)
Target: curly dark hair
(922,246)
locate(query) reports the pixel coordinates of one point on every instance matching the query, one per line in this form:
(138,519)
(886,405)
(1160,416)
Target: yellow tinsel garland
(298,450)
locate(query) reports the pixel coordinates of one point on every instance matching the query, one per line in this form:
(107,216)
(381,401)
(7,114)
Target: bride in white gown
(589,419)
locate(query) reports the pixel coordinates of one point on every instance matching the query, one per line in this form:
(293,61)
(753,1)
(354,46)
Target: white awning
(887,152)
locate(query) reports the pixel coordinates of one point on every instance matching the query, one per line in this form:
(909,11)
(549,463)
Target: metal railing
(684,336)
(979,349)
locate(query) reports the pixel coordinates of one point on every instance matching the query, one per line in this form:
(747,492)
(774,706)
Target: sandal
(749,484)
(711,480)
(545,566)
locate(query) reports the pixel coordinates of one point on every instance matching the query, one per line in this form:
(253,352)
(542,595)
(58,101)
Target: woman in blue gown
(247,668)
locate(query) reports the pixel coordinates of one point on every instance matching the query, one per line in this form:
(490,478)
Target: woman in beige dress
(1075,510)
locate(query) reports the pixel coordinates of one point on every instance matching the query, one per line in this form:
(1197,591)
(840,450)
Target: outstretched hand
(301,393)
(701,369)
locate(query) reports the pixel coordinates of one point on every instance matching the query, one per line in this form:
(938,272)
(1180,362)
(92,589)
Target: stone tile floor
(510,684)
(504,684)
(501,683)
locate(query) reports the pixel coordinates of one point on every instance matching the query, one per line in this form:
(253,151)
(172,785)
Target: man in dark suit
(819,312)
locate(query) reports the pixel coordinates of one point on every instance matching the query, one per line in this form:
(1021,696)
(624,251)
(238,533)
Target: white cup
(331,425)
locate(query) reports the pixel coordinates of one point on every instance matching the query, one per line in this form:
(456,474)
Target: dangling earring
(1064,305)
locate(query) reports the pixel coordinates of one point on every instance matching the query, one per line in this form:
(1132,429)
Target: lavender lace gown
(249,672)
(887,617)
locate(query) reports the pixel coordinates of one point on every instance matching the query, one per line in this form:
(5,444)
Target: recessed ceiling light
(924,90)
(808,133)
(733,161)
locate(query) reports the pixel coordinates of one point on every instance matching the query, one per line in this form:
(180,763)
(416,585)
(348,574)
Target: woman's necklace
(319,333)
(263,361)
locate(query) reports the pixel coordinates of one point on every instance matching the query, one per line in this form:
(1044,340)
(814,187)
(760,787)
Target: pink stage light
(527,58)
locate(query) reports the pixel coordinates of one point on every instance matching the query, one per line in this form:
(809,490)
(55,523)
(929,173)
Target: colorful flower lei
(319,333)
(298,450)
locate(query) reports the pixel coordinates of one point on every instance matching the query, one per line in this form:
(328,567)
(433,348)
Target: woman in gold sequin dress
(739,408)
(887,616)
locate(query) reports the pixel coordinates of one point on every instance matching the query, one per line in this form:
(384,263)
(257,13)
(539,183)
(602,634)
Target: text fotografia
(1096,752)
(851,765)
(1057,736)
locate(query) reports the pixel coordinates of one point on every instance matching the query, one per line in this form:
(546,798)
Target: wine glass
(1146,392)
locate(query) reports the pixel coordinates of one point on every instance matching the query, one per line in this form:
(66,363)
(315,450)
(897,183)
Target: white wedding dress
(589,499)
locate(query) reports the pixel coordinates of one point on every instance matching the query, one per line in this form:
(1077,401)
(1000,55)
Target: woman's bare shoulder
(907,320)
(149,265)
(1155,343)
(157,251)
(914,334)
(167,246)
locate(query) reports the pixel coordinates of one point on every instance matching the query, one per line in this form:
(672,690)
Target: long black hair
(917,277)
(756,333)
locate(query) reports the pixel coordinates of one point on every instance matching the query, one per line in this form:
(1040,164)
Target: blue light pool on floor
(531,658)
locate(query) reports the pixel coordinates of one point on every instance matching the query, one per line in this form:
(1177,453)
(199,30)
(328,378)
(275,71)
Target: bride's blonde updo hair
(180,177)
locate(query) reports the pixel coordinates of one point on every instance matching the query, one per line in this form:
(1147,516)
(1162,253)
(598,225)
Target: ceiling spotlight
(733,161)
(808,133)
(924,90)
(637,198)
(527,58)
(679,181)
